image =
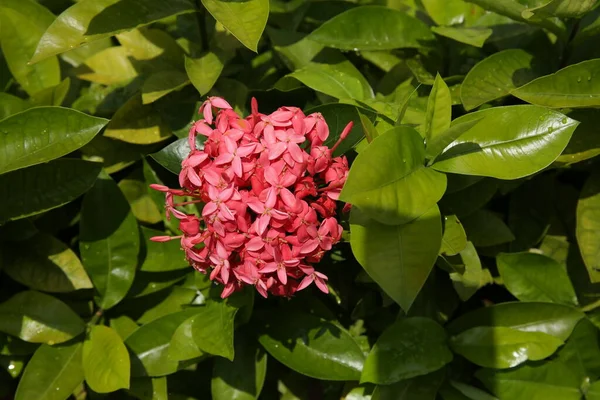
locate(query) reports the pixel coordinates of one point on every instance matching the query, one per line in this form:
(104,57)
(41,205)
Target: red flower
(269,188)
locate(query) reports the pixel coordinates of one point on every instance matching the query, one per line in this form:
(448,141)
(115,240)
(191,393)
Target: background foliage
(470,266)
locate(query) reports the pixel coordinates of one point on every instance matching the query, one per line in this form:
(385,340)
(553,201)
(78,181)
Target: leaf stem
(96,317)
(201,16)
(590,307)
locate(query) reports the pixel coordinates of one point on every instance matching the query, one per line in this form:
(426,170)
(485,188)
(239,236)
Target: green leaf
(43,187)
(242,378)
(23,23)
(546,381)
(124,326)
(373,28)
(469,277)
(534,277)
(212,329)
(203,72)
(574,86)
(137,123)
(340,80)
(150,389)
(91,20)
(585,142)
(136,192)
(424,387)
(409,347)
(150,345)
(43,262)
(115,154)
(437,145)
(449,12)
(337,116)
(455,390)
(39,318)
(105,361)
(593,392)
(109,241)
(454,239)
(513,10)
(485,228)
(176,300)
(466,201)
(245,20)
(296,49)
(439,110)
(495,76)
(500,347)
(561,8)
(161,84)
(398,257)
(312,346)
(52,96)
(42,134)
(53,373)
(528,138)
(388,180)
(588,225)
(582,351)
(183,346)
(113,65)
(161,257)
(10,105)
(172,155)
(475,36)
(554,319)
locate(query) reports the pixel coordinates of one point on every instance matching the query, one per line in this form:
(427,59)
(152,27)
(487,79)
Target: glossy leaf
(448,12)
(42,134)
(44,263)
(500,347)
(514,9)
(547,381)
(561,8)
(484,228)
(203,72)
(109,241)
(475,36)
(437,145)
(585,142)
(582,351)
(124,326)
(161,84)
(409,347)
(91,20)
(109,66)
(136,192)
(588,212)
(424,387)
(553,319)
(10,105)
(388,180)
(574,86)
(150,345)
(469,276)
(454,239)
(341,80)
(439,110)
(242,378)
(161,257)
(137,123)
(149,388)
(398,257)
(39,318)
(245,20)
(337,116)
(313,347)
(105,361)
(593,392)
(212,329)
(466,201)
(23,23)
(528,138)
(373,28)
(53,373)
(534,277)
(495,76)
(43,187)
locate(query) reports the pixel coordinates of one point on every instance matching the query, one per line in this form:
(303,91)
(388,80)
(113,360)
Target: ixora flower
(269,188)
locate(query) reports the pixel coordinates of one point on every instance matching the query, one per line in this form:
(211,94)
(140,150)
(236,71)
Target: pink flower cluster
(269,189)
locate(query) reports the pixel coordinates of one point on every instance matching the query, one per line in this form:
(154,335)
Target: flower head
(269,188)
